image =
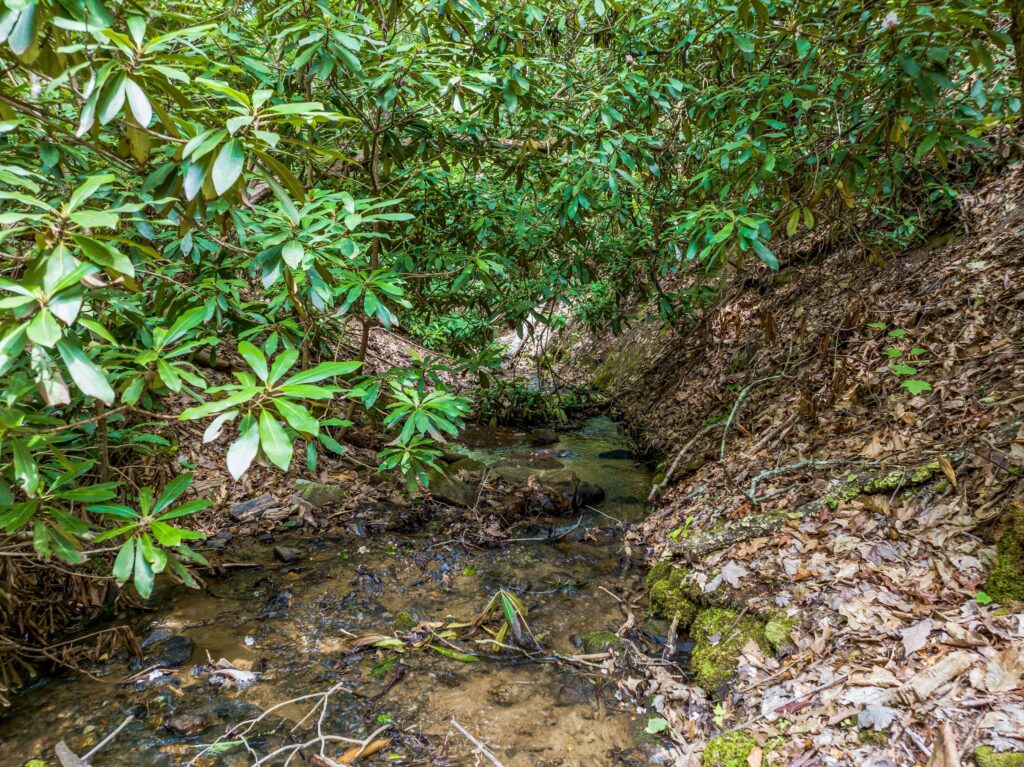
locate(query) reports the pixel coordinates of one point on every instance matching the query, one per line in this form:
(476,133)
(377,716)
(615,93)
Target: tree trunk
(1016,9)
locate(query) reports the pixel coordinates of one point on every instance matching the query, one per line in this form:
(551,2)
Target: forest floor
(846,619)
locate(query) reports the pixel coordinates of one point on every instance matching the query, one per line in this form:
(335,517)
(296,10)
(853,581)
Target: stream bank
(382,620)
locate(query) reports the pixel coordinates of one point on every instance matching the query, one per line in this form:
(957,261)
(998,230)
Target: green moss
(404,621)
(599,641)
(777,631)
(1006,581)
(854,484)
(729,750)
(668,591)
(987,757)
(871,737)
(720,635)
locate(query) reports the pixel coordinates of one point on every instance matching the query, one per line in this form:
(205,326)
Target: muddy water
(293,624)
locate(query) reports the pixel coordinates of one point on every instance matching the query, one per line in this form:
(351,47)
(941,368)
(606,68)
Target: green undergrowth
(988,757)
(728,750)
(1006,581)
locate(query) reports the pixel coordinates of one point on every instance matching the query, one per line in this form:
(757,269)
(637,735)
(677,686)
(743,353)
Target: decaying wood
(748,528)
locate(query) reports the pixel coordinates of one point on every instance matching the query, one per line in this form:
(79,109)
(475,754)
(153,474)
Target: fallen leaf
(357,752)
(1005,670)
(915,637)
(754,757)
(876,717)
(947,469)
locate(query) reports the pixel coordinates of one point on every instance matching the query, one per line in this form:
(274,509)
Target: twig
(107,739)
(658,487)
(479,746)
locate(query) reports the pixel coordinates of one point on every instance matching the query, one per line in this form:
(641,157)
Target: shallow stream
(294,625)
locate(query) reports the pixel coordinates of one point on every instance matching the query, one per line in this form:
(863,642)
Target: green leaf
(25,471)
(89,378)
(143,573)
(292,253)
(256,359)
(274,441)
(322,371)
(228,166)
(915,386)
(655,725)
(243,450)
(172,491)
(124,562)
(297,417)
(44,330)
(903,370)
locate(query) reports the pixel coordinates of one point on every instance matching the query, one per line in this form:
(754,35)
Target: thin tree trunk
(1016,9)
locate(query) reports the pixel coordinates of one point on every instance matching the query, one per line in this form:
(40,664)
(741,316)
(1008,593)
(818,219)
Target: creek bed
(293,623)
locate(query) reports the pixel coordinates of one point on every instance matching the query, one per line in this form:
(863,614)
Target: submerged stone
(540,437)
(176,651)
(287,554)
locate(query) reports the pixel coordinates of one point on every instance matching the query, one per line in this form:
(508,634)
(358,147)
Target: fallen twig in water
(480,747)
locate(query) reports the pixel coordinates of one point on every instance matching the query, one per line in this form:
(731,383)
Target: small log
(746,529)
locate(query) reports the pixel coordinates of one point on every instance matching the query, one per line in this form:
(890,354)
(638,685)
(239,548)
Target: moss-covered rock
(720,635)
(1006,581)
(599,641)
(404,621)
(777,631)
(988,757)
(728,750)
(669,594)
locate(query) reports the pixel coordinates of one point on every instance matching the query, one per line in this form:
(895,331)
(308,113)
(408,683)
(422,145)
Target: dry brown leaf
(1005,670)
(754,757)
(916,637)
(947,469)
(358,752)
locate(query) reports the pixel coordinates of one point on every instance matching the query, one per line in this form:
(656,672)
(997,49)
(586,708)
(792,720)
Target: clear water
(296,623)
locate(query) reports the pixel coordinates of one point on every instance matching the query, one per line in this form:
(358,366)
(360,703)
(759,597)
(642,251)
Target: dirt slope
(881,502)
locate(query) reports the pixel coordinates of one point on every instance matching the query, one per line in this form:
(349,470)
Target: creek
(294,624)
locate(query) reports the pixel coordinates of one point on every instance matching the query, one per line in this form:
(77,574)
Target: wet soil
(294,624)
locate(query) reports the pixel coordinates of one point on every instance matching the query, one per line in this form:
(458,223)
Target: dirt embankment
(844,448)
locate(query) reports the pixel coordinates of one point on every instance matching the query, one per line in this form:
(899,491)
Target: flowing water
(294,624)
